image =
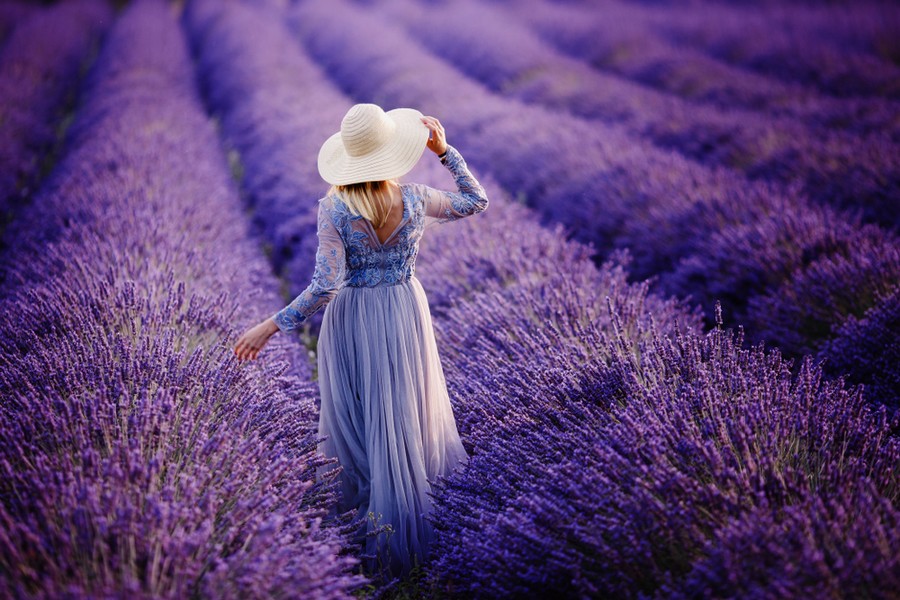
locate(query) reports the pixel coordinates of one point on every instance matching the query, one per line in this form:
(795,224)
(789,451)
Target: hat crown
(365,128)
(373,145)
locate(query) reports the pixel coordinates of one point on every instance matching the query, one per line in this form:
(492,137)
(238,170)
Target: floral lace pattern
(349,251)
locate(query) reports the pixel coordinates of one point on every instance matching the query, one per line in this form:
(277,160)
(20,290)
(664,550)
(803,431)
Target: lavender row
(642,446)
(674,466)
(526,337)
(831,67)
(682,222)
(621,39)
(787,44)
(274,108)
(40,65)
(838,168)
(138,457)
(613,445)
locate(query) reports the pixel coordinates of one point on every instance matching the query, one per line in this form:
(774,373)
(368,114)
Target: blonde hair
(369,199)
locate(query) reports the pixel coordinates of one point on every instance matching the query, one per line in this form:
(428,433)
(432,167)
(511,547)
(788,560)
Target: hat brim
(395,158)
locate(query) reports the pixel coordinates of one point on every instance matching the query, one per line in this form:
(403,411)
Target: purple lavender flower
(840,168)
(608,187)
(40,65)
(615,449)
(867,350)
(629,40)
(138,458)
(800,314)
(640,474)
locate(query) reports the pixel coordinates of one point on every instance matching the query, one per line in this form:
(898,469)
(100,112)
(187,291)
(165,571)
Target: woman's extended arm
(328,277)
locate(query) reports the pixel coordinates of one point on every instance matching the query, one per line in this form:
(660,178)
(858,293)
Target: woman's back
(395,213)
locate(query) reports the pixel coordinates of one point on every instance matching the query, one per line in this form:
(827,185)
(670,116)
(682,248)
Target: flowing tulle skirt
(386,414)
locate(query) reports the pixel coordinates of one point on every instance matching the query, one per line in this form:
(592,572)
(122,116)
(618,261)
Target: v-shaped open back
(404,218)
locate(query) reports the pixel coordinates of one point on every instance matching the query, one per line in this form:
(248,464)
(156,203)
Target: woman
(385,413)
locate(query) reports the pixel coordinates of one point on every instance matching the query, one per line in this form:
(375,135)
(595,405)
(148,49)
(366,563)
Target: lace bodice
(350,253)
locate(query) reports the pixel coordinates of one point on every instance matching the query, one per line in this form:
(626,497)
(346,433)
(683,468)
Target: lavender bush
(138,457)
(616,449)
(762,258)
(868,348)
(624,39)
(797,48)
(829,290)
(275,108)
(608,188)
(839,168)
(40,66)
(671,455)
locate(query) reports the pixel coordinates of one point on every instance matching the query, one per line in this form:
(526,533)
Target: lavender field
(672,343)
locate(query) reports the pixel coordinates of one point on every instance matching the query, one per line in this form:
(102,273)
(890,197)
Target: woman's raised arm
(470,198)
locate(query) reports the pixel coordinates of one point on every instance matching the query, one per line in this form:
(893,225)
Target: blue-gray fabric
(387,415)
(385,412)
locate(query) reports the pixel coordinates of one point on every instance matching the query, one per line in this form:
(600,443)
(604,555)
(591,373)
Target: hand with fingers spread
(437,142)
(252,341)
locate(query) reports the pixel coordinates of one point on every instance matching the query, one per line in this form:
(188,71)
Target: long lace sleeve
(469,200)
(328,276)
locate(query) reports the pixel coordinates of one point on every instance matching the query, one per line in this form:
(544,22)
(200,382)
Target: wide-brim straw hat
(373,145)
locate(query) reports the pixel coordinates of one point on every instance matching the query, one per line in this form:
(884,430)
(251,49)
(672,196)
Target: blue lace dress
(385,412)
